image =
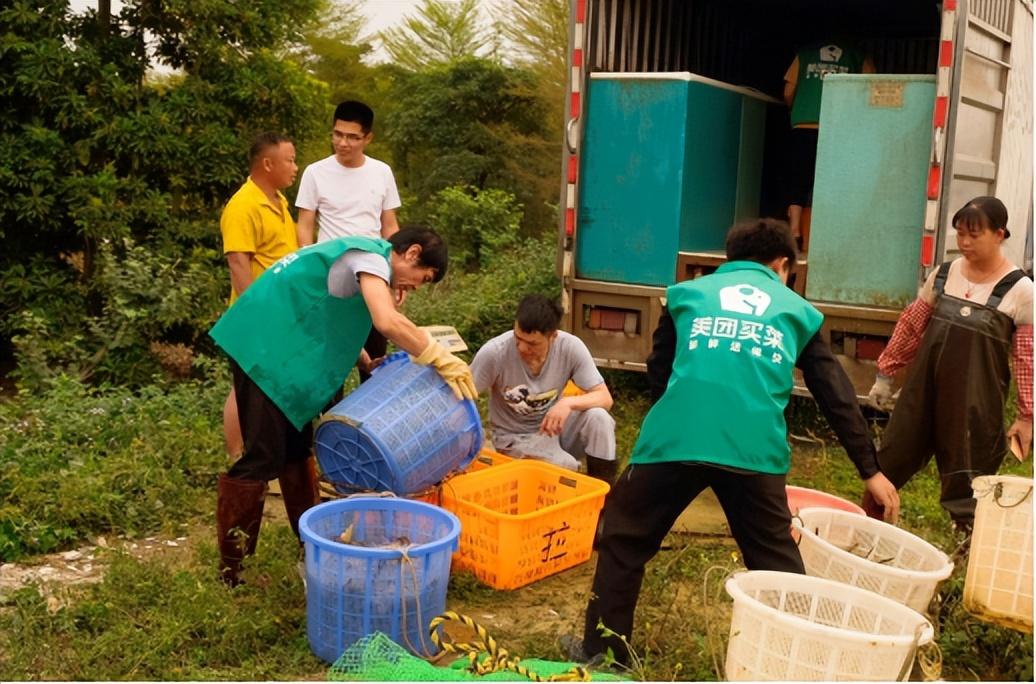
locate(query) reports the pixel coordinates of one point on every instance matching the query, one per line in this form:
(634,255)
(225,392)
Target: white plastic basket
(870,554)
(998,584)
(799,628)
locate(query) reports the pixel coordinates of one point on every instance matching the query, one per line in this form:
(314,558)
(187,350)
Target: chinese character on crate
(523,521)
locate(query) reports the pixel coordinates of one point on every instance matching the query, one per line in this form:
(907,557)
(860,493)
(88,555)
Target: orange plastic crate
(487,458)
(523,520)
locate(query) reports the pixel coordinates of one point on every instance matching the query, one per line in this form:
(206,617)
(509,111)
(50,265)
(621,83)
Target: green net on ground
(376,658)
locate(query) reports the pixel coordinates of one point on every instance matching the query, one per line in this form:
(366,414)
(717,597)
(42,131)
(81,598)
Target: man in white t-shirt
(349,194)
(525,371)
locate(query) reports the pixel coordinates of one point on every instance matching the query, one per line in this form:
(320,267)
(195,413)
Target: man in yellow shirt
(257,231)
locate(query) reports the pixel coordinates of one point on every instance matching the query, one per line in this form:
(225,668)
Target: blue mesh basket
(391,576)
(401,431)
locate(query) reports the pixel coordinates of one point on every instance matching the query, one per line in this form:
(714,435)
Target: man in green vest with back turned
(292,338)
(722,362)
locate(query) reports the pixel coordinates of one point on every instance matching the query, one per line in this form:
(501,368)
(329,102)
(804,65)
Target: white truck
(676,128)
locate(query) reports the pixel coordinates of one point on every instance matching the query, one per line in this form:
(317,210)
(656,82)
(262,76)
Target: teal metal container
(869,192)
(669,162)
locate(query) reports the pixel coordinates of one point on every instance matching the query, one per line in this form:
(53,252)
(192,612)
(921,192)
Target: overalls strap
(940,278)
(1003,287)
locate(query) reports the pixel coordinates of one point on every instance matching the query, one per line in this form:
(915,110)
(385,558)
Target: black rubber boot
(602,469)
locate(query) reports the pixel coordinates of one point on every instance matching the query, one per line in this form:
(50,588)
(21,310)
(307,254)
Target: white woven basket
(799,628)
(870,554)
(998,586)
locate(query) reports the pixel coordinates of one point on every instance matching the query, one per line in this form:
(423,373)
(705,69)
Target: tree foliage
(440,33)
(333,50)
(539,31)
(477,224)
(475,123)
(103,167)
(112,174)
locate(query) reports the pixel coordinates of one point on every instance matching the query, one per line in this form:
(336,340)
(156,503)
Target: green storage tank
(869,192)
(669,162)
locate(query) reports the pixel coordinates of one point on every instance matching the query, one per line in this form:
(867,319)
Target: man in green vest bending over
(723,353)
(292,338)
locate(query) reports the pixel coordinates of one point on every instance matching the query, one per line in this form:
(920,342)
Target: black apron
(952,402)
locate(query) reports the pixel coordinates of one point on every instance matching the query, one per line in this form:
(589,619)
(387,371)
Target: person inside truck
(525,371)
(971,322)
(803,86)
(721,369)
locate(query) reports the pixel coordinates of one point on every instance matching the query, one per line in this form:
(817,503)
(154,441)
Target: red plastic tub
(803,497)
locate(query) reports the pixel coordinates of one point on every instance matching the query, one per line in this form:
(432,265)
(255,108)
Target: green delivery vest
(738,334)
(815,63)
(294,339)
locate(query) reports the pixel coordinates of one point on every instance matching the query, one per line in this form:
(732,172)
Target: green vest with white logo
(815,63)
(738,334)
(291,336)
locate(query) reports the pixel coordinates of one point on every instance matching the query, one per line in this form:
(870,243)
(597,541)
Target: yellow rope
(498,658)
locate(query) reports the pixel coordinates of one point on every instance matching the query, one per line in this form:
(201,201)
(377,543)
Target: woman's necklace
(979,281)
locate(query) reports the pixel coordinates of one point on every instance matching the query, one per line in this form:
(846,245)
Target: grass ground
(162,615)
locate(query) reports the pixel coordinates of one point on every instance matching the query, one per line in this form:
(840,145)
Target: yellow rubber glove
(454,371)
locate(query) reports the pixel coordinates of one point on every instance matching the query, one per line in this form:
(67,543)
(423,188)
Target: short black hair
(433,249)
(537,313)
(356,112)
(985,213)
(263,142)
(761,240)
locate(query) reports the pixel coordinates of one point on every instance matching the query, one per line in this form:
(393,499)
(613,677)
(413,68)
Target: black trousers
(376,346)
(801,166)
(271,441)
(641,509)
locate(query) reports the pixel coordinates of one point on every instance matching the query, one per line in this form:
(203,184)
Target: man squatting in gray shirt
(526,370)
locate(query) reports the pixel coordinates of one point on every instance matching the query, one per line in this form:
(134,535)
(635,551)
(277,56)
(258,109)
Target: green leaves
(477,224)
(78,462)
(439,34)
(112,181)
(481,305)
(474,122)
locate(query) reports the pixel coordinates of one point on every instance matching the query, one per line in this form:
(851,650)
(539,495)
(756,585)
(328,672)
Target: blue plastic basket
(391,578)
(401,431)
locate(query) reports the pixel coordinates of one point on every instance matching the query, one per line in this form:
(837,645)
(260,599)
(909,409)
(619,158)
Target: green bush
(76,462)
(482,305)
(478,225)
(147,297)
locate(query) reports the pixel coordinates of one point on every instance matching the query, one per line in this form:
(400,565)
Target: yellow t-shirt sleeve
(240,225)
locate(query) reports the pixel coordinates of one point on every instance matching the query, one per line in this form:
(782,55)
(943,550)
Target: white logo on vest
(744,299)
(830,53)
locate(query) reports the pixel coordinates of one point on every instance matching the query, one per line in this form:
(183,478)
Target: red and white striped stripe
(575,112)
(939,118)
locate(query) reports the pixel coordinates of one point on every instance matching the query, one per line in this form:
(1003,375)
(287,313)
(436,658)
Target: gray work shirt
(518,400)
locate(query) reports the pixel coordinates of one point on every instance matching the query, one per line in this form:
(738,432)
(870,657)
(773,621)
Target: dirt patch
(87,564)
(53,573)
(551,606)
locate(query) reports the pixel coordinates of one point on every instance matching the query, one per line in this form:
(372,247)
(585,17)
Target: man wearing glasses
(349,193)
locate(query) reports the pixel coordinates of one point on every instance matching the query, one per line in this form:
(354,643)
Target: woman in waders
(971,317)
